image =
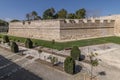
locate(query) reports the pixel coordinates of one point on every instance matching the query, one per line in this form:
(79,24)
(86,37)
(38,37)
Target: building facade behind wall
(64,29)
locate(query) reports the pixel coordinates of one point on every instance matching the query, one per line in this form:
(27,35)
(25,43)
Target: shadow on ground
(11,71)
(78,69)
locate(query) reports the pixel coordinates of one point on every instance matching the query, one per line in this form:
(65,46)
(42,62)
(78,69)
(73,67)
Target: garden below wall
(66,45)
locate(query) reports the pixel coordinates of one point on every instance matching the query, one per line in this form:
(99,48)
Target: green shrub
(75,53)
(14,47)
(28,43)
(18,40)
(69,65)
(6,39)
(53,60)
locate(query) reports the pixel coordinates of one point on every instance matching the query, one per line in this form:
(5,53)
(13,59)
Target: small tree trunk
(91,72)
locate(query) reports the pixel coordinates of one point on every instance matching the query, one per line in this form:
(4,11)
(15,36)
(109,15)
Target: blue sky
(16,9)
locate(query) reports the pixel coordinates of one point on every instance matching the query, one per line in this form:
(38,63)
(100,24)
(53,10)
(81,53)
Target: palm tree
(28,16)
(34,14)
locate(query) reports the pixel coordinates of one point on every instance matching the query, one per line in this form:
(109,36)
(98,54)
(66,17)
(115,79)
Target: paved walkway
(16,67)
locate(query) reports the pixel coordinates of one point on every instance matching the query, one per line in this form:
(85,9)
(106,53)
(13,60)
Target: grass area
(63,45)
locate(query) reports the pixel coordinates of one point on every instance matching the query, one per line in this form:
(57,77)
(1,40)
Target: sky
(17,9)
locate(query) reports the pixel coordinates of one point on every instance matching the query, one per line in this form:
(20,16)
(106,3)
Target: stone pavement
(16,67)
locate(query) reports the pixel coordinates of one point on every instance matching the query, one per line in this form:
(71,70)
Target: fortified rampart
(64,29)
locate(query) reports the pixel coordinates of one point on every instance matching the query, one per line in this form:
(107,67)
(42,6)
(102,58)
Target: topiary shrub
(6,39)
(69,65)
(75,53)
(14,47)
(28,43)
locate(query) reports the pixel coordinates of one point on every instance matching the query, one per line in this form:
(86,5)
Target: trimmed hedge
(14,47)
(69,65)
(5,39)
(28,43)
(75,53)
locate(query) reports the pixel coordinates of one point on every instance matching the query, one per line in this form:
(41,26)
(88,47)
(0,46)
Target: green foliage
(49,13)
(81,13)
(94,62)
(53,42)
(28,43)
(15,20)
(5,39)
(53,60)
(69,65)
(69,44)
(62,14)
(3,23)
(32,16)
(14,47)
(71,16)
(75,53)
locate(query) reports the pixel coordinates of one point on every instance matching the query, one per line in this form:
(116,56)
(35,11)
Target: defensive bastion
(65,29)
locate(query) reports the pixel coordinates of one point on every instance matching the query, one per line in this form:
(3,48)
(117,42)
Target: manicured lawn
(63,45)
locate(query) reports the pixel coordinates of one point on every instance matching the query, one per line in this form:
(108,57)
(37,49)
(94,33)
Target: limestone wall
(82,29)
(61,30)
(47,29)
(117,22)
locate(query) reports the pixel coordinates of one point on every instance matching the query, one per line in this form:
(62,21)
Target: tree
(39,51)
(62,14)
(3,23)
(14,47)
(28,43)
(5,39)
(69,65)
(75,53)
(81,13)
(38,18)
(53,60)
(53,42)
(49,13)
(15,20)
(93,62)
(34,15)
(28,16)
(71,16)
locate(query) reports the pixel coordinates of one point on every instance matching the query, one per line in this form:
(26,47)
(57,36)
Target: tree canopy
(62,14)
(71,16)
(81,13)
(15,20)
(3,23)
(49,13)
(32,16)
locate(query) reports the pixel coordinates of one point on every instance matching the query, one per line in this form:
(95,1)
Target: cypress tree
(6,39)
(69,65)
(28,43)
(14,47)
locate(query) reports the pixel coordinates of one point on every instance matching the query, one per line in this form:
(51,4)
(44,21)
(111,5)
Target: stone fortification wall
(117,23)
(47,29)
(82,29)
(63,29)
